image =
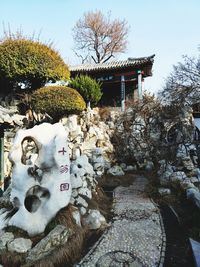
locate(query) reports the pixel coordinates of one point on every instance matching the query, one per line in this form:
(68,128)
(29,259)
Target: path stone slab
(135,236)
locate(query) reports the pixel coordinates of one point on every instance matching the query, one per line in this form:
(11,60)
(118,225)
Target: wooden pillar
(139,85)
(123,93)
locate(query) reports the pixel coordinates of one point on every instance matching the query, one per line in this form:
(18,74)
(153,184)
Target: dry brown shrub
(104,113)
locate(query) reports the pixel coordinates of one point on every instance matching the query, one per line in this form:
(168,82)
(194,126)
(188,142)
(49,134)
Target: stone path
(135,237)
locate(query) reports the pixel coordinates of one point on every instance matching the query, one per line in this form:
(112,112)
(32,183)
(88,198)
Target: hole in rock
(35,196)
(30,151)
(32,203)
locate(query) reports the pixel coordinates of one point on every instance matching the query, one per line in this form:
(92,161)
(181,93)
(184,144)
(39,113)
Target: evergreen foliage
(89,88)
(29,63)
(57,101)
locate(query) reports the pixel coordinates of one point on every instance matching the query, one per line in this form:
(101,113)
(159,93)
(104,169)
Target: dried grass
(12,259)
(76,246)
(104,113)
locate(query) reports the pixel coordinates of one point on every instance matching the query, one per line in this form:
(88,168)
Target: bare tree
(183,84)
(99,38)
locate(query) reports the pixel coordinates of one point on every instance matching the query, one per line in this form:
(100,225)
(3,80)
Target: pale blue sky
(167,28)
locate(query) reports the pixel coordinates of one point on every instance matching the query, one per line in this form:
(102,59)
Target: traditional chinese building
(120,79)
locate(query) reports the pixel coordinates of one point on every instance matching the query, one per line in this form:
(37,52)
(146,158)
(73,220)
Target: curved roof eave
(130,62)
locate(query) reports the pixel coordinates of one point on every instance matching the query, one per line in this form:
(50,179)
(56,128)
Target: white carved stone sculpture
(40,178)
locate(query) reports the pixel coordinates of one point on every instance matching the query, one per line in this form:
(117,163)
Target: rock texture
(57,237)
(94,219)
(20,245)
(5,238)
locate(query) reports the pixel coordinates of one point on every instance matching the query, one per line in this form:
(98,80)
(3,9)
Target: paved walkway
(135,237)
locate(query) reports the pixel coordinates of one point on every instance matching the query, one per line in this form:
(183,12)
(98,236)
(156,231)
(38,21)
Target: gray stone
(178,176)
(76,152)
(123,166)
(82,210)
(194,195)
(155,136)
(72,200)
(98,166)
(165,178)
(20,245)
(164,191)
(85,184)
(186,184)
(187,163)
(97,156)
(182,151)
(58,236)
(5,238)
(196,251)
(85,192)
(77,217)
(107,165)
(81,202)
(130,168)
(149,166)
(99,173)
(72,123)
(74,193)
(94,220)
(194,179)
(116,171)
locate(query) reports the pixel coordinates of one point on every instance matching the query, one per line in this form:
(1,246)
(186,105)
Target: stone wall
(145,137)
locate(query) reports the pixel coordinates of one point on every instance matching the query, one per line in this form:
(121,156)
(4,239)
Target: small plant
(57,101)
(89,88)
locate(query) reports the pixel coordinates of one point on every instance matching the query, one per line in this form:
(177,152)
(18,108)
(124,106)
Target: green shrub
(29,62)
(57,101)
(89,88)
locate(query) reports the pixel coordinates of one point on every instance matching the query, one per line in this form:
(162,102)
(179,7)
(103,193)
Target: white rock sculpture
(41,183)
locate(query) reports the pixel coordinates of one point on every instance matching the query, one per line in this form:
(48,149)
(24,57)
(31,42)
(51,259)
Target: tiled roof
(130,62)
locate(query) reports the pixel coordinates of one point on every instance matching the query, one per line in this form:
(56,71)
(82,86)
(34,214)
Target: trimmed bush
(29,62)
(89,88)
(57,101)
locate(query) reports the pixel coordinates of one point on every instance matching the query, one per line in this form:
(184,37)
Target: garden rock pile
(43,182)
(184,169)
